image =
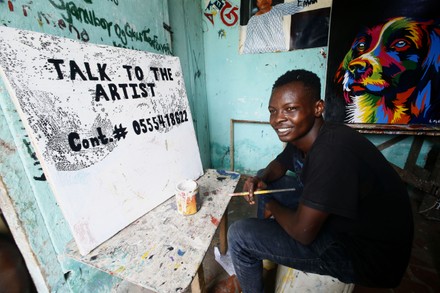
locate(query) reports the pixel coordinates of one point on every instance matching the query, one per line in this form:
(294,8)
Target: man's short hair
(310,80)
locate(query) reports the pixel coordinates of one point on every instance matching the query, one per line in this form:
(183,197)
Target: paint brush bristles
(261,192)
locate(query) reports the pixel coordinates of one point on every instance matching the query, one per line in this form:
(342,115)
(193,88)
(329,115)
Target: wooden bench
(163,250)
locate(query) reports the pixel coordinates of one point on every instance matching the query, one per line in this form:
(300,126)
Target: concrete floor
(423,273)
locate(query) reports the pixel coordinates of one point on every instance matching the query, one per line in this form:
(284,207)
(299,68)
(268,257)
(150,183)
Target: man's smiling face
(292,111)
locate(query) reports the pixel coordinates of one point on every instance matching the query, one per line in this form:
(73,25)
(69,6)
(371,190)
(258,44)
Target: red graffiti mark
(61,24)
(24,10)
(11,6)
(228,14)
(210,17)
(215,221)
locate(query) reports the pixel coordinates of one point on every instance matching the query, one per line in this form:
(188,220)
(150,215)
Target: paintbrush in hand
(261,191)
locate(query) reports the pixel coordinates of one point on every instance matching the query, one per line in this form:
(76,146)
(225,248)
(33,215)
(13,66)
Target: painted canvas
(111,127)
(282,25)
(384,62)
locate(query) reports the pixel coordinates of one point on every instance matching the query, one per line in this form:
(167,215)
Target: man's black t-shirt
(345,175)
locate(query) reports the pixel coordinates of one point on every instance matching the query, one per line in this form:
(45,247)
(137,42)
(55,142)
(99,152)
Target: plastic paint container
(186,197)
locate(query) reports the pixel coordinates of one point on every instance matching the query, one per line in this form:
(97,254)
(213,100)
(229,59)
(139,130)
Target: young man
(353,220)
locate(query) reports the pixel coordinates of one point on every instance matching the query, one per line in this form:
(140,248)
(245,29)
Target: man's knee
(231,232)
(233,236)
(238,232)
(234,232)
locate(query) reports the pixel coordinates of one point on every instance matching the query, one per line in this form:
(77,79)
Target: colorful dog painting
(391,73)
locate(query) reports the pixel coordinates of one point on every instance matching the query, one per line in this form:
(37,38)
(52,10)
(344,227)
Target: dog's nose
(358,68)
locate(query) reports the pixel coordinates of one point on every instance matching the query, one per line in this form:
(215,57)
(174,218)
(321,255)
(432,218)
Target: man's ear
(319,108)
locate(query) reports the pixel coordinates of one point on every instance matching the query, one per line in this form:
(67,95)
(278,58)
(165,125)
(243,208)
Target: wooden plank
(223,233)
(425,180)
(414,152)
(427,186)
(398,129)
(23,199)
(198,284)
(21,238)
(391,142)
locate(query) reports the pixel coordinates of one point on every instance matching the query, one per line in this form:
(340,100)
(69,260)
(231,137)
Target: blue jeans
(252,240)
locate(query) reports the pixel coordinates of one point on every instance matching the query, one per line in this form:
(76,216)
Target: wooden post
(198,283)
(224,233)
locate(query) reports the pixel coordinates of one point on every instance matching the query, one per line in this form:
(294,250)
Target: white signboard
(112,127)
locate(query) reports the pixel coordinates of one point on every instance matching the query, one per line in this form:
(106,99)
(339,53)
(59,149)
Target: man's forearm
(273,171)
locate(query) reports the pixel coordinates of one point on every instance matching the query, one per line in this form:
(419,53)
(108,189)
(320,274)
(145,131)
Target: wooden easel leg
(224,233)
(413,154)
(198,284)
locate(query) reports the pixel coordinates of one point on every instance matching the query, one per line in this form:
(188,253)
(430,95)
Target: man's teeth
(283,129)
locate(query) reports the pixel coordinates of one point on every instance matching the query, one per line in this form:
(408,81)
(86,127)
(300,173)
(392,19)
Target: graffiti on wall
(77,19)
(227,12)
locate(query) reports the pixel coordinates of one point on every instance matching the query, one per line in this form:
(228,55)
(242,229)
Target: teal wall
(187,39)
(238,87)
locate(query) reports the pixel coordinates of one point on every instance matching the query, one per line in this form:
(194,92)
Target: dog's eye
(360,45)
(400,45)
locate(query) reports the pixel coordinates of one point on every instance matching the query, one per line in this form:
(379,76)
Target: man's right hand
(252,184)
